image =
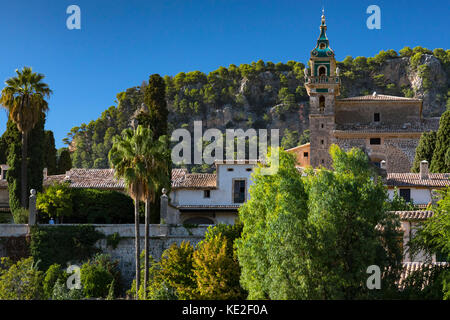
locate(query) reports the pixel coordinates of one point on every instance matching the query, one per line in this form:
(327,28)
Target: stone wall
(161,237)
(398,152)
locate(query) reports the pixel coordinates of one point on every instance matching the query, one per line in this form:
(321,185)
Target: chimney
(45,171)
(424,170)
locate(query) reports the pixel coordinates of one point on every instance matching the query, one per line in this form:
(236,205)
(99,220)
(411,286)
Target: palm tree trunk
(147,217)
(137,245)
(23,171)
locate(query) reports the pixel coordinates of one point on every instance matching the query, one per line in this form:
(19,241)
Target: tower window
(321,125)
(206,193)
(321,141)
(322,46)
(375,140)
(376,117)
(323,161)
(322,104)
(322,71)
(305,154)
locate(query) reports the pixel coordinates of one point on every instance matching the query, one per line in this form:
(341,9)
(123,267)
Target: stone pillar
(164,207)
(32,208)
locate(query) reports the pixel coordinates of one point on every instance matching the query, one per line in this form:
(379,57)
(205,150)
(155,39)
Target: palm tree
(157,156)
(24,98)
(138,159)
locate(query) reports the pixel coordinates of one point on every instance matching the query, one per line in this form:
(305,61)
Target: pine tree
(424,150)
(438,163)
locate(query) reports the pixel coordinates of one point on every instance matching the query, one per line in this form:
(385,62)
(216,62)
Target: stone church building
(385,127)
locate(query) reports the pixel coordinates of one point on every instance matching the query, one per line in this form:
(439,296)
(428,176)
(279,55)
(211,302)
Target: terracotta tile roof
(414,215)
(195,181)
(178,173)
(88,178)
(410,267)
(379,97)
(104,179)
(438,180)
(229,206)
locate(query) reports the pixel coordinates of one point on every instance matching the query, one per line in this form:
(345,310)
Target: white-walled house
(206,198)
(420,188)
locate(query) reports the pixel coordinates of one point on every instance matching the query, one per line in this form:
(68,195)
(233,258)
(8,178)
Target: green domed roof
(322,48)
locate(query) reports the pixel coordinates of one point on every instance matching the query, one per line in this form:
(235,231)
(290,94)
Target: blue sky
(122,42)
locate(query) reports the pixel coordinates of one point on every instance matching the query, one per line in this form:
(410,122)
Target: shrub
(97,275)
(53,273)
(176,269)
(101,206)
(216,270)
(56,201)
(20,281)
(171,278)
(20,215)
(75,244)
(61,292)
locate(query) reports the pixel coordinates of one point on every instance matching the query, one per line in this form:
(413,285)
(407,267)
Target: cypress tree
(424,150)
(438,163)
(50,153)
(155,99)
(156,120)
(14,159)
(64,161)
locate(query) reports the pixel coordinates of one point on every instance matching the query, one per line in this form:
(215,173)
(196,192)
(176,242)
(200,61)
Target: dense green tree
(290,139)
(49,152)
(438,163)
(64,161)
(424,150)
(433,237)
(24,98)
(13,139)
(55,202)
(299,244)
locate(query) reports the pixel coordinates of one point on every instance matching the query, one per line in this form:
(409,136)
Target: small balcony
(322,79)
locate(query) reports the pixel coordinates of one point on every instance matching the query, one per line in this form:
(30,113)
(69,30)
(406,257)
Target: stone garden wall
(161,237)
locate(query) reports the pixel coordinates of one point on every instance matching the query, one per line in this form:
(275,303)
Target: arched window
(322,104)
(322,71)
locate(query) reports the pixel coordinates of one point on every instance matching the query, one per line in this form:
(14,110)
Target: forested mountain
(266,95)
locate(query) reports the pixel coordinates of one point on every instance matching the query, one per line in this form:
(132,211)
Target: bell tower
(322,85)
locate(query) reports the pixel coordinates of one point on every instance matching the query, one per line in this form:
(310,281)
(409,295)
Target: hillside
(267,95)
